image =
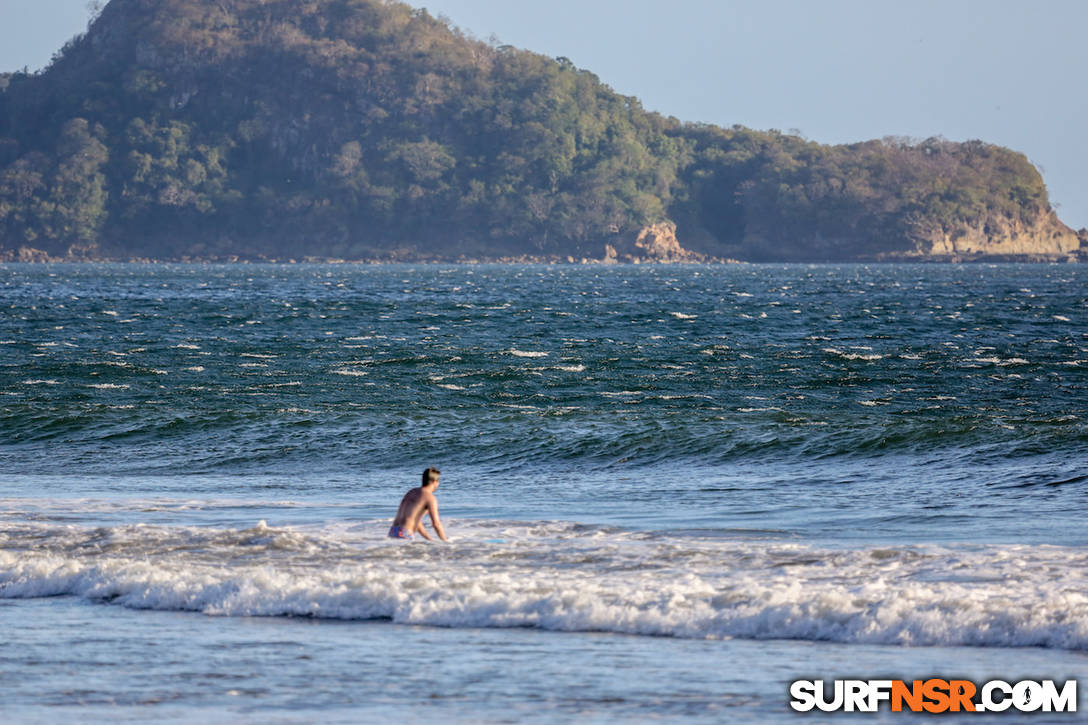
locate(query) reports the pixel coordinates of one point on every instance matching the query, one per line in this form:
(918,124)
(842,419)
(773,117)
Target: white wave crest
(853,355)
(557,576)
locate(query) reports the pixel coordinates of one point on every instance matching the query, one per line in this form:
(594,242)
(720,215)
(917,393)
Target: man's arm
(432,509)
(422,531)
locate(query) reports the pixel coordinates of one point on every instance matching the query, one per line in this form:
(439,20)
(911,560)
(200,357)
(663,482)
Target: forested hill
(365,129)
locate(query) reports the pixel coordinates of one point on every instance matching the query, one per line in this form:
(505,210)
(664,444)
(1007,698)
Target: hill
(365,129)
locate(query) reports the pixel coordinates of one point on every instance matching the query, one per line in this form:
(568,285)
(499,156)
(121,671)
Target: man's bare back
(419,501)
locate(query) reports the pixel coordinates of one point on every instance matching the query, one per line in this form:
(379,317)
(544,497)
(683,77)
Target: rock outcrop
(654,243)
(26,254)
(1046,238)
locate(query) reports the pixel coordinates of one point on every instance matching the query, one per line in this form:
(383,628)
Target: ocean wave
(569,577)
(868,357)
(350,372)
(256,434)
(631,388)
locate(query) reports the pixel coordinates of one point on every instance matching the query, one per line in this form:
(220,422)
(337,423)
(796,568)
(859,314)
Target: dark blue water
(670,489)
(927,402)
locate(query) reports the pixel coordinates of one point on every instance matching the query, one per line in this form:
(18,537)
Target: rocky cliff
(1044,237)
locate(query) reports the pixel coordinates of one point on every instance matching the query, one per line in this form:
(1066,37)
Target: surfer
(409,519)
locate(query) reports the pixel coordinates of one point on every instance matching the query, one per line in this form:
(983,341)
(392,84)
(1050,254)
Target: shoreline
(40,257)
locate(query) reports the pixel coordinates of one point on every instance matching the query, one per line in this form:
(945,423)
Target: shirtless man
(409,519)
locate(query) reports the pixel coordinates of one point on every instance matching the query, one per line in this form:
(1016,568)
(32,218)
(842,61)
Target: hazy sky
(1005,71)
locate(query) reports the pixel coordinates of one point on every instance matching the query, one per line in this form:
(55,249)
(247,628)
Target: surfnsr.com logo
(933,695)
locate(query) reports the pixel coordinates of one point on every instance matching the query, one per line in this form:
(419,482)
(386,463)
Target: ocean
(670,490)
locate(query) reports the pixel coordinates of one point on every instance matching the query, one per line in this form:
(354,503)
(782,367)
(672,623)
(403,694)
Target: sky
(836,71)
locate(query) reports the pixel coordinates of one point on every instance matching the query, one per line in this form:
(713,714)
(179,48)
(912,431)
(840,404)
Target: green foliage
(367,128)
(55,202)
(780,197)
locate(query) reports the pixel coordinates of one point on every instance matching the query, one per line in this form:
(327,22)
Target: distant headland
(366,130)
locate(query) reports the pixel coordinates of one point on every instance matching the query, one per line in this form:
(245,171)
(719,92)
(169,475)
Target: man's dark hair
(430,475)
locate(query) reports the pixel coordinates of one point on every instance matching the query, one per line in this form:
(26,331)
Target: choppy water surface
(857,456)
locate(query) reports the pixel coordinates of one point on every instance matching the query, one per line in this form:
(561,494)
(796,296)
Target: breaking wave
(570,577)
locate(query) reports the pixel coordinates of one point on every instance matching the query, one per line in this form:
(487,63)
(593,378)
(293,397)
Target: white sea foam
(563,576)
(70,507)
(186,346)
(525,353)
(571,368)
(683,316)
(41,382)
(108,386)
(351,372)
(852,355)
(1002,362)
